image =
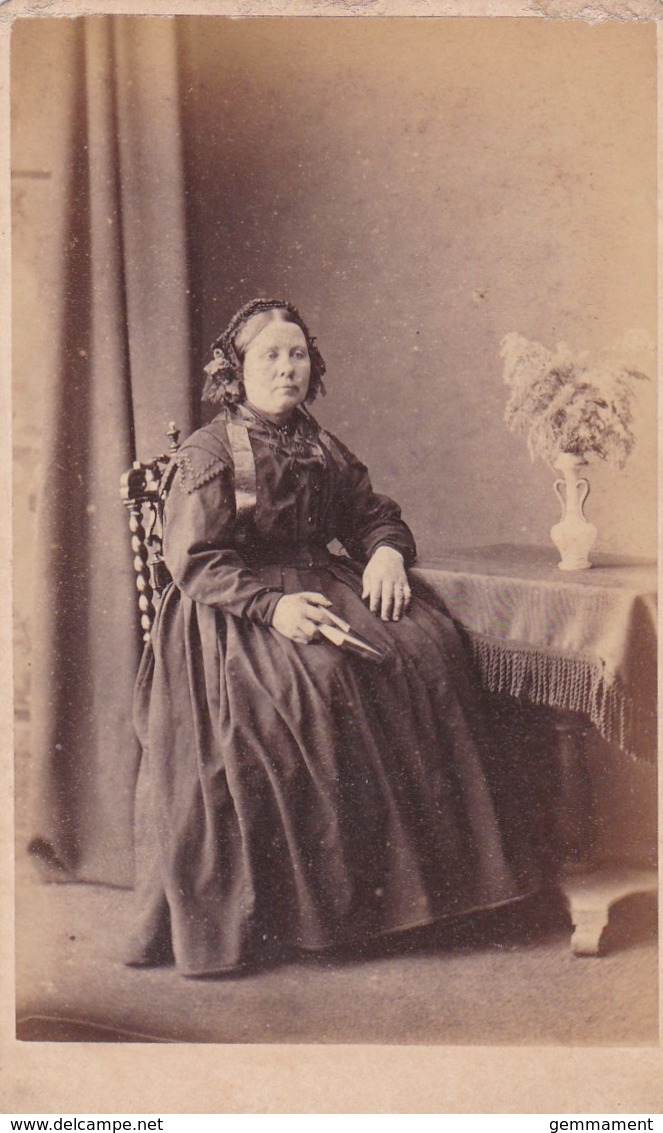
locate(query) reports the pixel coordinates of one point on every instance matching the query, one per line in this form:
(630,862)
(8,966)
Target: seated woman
(296,794)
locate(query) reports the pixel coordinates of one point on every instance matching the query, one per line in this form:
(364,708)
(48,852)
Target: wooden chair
(143,489)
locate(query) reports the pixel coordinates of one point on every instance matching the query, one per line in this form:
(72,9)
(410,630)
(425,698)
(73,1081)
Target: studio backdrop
(418,187)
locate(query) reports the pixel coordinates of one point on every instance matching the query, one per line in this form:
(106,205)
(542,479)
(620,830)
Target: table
(583,643)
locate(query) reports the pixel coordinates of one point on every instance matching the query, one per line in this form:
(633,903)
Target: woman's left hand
(386,584)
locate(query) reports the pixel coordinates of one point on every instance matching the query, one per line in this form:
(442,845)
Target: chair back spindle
(143,489)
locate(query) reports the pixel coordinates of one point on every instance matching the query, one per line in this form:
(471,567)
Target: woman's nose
(287,367)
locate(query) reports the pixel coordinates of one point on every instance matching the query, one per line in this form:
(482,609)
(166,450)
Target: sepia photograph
(335,530)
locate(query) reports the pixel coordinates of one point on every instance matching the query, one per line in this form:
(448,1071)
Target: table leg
(573,806)
(592,895)
(556,769)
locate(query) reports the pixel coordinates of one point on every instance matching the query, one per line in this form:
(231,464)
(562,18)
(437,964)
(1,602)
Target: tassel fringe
(559,681)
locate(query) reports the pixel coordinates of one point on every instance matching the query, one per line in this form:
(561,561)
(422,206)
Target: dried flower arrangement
(570,404)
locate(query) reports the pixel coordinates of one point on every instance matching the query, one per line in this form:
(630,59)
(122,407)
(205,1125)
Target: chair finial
(173,434)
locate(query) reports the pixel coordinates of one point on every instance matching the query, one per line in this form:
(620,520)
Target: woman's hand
(386,584)
(297,616)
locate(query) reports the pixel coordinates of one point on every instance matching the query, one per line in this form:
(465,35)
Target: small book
(345,638)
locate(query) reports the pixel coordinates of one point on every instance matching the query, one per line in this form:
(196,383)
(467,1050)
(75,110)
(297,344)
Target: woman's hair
(224,384)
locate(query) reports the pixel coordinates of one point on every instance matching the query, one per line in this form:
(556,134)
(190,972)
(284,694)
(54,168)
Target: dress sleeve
(367,520)
(199,550)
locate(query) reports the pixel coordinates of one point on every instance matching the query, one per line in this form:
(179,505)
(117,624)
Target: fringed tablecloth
(583,641)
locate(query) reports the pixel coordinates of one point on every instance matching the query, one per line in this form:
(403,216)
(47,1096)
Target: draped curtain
(168,169)
(121,372)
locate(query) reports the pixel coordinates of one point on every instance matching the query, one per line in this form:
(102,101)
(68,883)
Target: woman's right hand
(297,616)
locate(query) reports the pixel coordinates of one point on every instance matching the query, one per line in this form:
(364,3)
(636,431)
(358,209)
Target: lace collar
(284,429)
(298,436)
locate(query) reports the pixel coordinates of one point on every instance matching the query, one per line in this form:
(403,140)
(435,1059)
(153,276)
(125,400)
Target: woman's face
(277,369)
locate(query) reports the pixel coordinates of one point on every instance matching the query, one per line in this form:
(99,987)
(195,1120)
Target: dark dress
(299,796)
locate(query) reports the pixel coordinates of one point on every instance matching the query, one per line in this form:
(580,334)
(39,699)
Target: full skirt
(303,797)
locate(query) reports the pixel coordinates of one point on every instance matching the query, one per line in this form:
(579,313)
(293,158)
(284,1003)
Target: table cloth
(584,641)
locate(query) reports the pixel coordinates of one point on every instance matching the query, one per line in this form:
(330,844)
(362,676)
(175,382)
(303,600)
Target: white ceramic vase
(573,536)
